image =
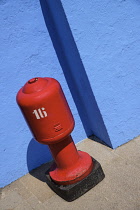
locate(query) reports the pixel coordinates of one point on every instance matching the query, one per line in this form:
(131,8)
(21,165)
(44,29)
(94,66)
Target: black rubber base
(74,191)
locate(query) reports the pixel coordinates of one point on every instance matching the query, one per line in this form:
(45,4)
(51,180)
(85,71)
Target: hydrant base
(73,191)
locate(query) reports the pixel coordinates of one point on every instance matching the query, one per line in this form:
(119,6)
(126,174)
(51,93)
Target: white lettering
(40,113)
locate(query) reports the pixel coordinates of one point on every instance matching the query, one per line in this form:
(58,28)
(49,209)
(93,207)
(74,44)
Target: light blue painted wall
(26,51)
(107,34)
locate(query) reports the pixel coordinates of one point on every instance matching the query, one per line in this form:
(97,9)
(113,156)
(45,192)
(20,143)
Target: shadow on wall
(73,69)
(37,154)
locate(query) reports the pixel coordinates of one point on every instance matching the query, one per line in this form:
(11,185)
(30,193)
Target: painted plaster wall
(107,34)
(26,51)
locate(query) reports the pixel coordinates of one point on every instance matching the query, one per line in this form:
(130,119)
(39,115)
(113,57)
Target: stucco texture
(107,34)
(26,51)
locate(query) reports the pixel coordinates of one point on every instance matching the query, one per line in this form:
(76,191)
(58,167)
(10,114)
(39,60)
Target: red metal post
(71,165)
(48,115)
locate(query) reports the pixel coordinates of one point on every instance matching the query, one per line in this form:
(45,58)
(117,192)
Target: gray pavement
(120,190)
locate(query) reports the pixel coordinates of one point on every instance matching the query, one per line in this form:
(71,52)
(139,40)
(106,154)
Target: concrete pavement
(120,190)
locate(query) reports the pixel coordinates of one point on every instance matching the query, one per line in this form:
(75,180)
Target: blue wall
(73,69)
(107,35)
(26,51)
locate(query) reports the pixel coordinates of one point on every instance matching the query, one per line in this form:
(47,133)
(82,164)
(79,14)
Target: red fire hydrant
(48,115)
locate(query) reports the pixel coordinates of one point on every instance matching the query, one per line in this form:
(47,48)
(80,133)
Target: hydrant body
(45,109)
(48,115)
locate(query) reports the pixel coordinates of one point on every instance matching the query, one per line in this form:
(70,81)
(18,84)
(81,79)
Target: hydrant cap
(35,85)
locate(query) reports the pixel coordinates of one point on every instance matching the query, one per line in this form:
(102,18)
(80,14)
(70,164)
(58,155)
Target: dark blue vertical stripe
(73,69)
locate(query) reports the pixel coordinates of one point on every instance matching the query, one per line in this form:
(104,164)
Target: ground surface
(120,190)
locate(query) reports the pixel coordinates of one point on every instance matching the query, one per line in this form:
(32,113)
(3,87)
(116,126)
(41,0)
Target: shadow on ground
(38,154)
(95,138)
